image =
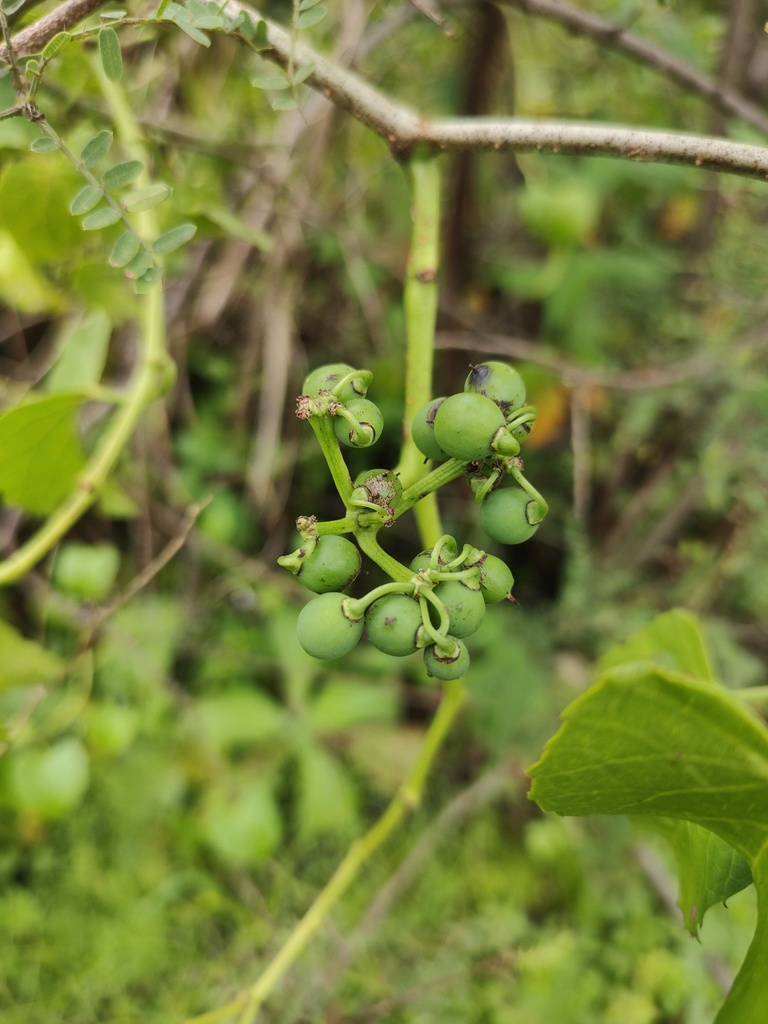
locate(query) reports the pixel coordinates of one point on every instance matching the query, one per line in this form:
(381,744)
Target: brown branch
(33,38)
(613,35)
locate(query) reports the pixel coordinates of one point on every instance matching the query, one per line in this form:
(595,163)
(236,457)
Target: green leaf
(139,265)
(110,53)
(104,217)
(212,22)
(260,37)
(25,663)
(673,640)
(710,870)
(86,572)
(240,718)
(241,825)
(124,249)
(193,33)
(49,782)
(342,705)
(40,453)
(174,239)
(270,82)
(85,200)
(122,174)
(284,103)
(96,148)
(327,797)
(303,73)
(11,6)
(83,345)
(311,17)
(648,741)
(145,198)
(44,145)
(306,5)
(148,280)
(56,45)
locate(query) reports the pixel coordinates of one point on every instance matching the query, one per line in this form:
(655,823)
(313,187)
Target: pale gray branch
(404,128)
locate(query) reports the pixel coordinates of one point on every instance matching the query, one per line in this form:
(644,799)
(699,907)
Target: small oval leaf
(312,17)
(139,265)
(174,238)
(122,174)
(44,145)
(124,249)
(110,53)
(85,200)
(303,72)
(97,148)
(56,45)
(148,280)
(101,218)
(145,198)
(270,82)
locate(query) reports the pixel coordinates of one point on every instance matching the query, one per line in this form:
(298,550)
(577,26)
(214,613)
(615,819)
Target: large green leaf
(25,663)
(673,640)
(327,799)
(40,453)
(649,741)
(83,345)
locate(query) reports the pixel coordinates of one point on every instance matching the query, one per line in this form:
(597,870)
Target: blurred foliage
(177,779)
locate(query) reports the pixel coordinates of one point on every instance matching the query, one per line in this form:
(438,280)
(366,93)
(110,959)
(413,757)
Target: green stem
(541,503)
(326,435)
(407,798)
(146,384)
(433,481)
(335,526)
(420,298)
(371,547)
(357,607)
(752,694)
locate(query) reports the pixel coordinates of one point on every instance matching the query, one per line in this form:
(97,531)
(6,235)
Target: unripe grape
(447,667)
(423,431)
(504,515)
(371,423)
(465,607)
(324,630)
(499,382)
(333,565)
(325,378)
(465,426)
(496,578)
(392,623)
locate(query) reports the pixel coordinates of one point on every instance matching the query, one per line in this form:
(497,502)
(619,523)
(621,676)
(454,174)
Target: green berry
(381,486)
(505,515)
(333,565)
(324,629)
(465,607)
(325,378)
(371,423)
(423,431)
(392,623)
(466,424)
(496,580)
(448,552)
(499,382)
(446,667)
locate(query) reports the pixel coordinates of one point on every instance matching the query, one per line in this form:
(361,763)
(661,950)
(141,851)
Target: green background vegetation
(170,810)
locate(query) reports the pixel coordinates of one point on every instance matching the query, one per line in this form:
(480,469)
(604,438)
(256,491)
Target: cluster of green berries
(484,426)
(440,599)
(442,603)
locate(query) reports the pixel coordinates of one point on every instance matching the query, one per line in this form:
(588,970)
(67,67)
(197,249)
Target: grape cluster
(484,426)
(438,601)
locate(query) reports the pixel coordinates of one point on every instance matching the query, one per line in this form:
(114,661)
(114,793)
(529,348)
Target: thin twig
(613,35)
